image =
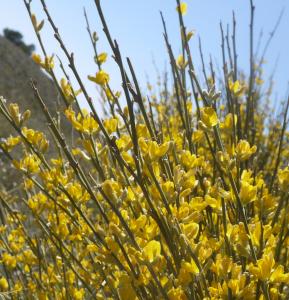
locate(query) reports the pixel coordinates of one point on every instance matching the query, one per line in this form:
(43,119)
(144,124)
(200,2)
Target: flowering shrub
(181,195)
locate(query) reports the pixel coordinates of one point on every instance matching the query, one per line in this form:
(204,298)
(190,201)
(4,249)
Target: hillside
(16,70)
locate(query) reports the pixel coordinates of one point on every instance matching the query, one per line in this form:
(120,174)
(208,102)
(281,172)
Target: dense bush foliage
(17,38)
(179,195)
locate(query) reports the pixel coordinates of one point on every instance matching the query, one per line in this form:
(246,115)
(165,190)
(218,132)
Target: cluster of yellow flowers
(171,201)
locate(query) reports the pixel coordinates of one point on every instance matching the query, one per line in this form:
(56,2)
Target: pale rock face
(16,70)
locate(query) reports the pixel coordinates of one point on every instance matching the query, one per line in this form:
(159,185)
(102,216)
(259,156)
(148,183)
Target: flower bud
(26,115)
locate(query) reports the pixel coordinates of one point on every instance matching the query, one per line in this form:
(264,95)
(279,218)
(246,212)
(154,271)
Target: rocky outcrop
(16,71)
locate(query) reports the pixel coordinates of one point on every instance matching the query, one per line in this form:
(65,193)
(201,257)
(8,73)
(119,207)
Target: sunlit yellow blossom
(190,230)
(188,269)
(15,113)
(190,34)
(177,294)
(36,138)
(3,284)
(189,160)
(152,149)
(11,142)
(236,88)
(155,151)
(244,151)
(110,125)
(142,131)
(67,90)
(30,163)
(183,8)
(198,136)
(266,269)
(283,176)
(83,122)
(37,26)
(9,260)
(248,192)
(228,124)
(100,78)
(222,266)
(47,64)
(181,63)
(111,187)
(101,58)
(126,290)
(209,117)
(78,294)
(152,250)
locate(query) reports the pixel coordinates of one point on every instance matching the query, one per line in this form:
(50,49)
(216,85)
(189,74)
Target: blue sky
(137,27)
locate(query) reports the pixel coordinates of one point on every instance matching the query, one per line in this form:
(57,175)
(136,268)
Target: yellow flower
(124,143)
(266,270)
(110,125)
(143,145)
(101,58)
(9,260)
(259,81)
(248,192)
(190,34)
(37,58)
(197,136)
(283,177)
(182,8)
(68,91)
(15,113)
(128,158)
(244,151)
(125,288)
(227,125)
(30,164)
(190,230)
(236,88)
(112,96)
(3,284)
(78,294)
(185,193)
(42,295)
(112,244)
(213,203)
(189,160)
(156,151)
(187,270)
(181,63)
(238,286)
(100,78)
(11,142)
(278,275)
(222,266)
(209,117)
(168,187)
(152,251)
(177,294)
(111,188)
(142,131)
(84,122)
(37,26)
(36,138)
(139,223)
(47,64)
(37,202)
(264,267)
